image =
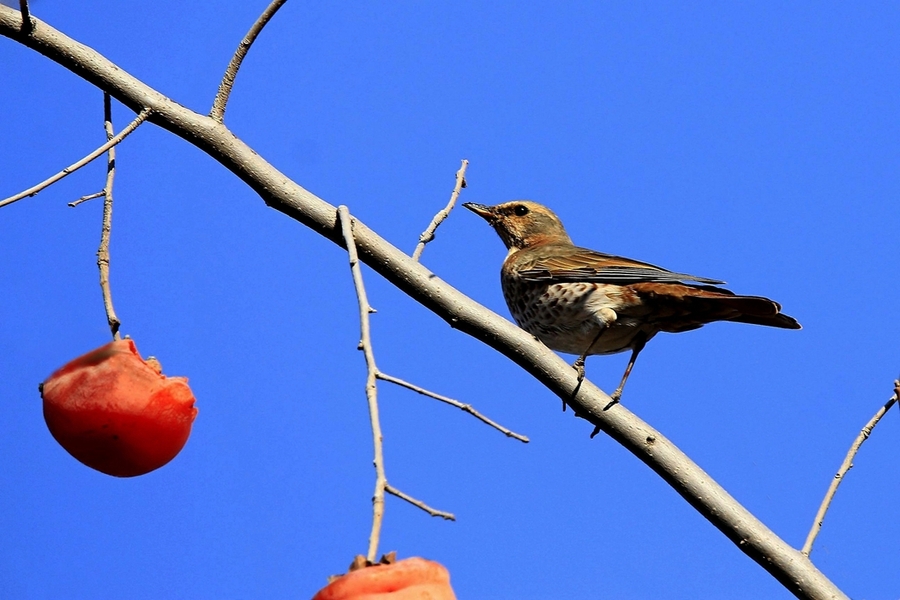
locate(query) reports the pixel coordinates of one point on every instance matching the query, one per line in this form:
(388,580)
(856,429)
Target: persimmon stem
(106,229)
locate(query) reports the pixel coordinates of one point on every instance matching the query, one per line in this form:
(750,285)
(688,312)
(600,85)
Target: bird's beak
(485,212)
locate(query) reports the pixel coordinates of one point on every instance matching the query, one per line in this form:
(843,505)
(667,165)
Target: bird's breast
(568,317)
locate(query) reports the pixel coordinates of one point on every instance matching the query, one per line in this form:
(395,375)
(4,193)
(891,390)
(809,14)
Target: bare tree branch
(428,234)
(786,564)
(218,107)
(463,407)
(110,143)
(106,229)
(365,345)
(846,466)
(419,504)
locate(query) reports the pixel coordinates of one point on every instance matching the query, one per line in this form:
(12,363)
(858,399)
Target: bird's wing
(581,264)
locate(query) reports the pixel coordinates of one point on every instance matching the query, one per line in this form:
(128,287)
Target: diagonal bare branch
(463,407)
(846,466)
(84,161)
(419,504)
(218,108)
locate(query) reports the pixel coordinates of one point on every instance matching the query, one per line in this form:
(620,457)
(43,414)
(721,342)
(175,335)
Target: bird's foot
(613,400)
(578,365)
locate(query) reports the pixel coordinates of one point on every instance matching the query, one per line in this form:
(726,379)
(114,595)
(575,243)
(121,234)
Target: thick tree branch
(792,569)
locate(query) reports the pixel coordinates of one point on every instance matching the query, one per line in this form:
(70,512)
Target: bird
(582,302)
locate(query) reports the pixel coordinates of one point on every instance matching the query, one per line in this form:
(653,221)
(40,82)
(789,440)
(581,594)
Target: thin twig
(428,234)
(106,229)
(846,466)
(218,107)
(372,374)
(86,198)
(365,345)
(87,159)
(27,23)
(463,407)
(431,511)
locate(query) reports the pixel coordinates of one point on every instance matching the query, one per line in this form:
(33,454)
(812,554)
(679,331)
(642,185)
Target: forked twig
(846,466)
(442,214)
(111,142)
(106,229)
(463,407)
(365,344)
(218,108)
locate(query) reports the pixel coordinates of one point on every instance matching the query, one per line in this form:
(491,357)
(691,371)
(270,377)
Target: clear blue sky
(758,144)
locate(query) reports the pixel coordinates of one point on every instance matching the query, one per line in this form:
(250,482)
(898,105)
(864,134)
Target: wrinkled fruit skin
(409,579)
(117,413)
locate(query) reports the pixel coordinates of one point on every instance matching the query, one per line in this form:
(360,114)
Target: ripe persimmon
(117,413)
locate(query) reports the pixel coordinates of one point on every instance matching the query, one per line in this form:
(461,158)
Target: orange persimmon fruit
(409,579)
(117,413)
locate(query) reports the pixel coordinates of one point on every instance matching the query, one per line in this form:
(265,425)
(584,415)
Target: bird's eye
(521,210)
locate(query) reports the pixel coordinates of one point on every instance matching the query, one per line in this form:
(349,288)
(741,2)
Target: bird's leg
(608,316)
(578,365)
(639,341)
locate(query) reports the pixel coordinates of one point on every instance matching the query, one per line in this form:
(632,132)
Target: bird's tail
(756,310)
(685,307)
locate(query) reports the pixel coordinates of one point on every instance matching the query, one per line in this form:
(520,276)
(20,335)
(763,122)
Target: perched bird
(583,302)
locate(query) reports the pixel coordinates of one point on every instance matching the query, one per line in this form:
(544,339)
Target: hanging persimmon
(409,579)
(116,412)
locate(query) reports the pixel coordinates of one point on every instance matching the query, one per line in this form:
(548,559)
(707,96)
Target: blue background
(753,143)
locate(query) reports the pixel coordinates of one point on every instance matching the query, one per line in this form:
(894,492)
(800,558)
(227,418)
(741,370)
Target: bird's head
(522,223)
